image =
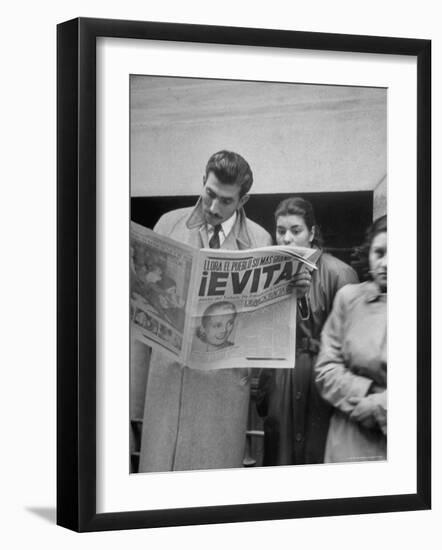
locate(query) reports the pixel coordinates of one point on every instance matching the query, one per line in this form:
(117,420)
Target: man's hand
(300,283)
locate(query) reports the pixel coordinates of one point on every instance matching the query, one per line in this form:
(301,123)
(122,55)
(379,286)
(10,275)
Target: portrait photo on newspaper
(258,274)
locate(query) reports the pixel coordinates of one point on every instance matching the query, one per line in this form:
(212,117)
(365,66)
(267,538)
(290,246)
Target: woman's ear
(312,234)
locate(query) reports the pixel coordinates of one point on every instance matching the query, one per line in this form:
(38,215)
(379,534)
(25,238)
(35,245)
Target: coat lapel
(237,239)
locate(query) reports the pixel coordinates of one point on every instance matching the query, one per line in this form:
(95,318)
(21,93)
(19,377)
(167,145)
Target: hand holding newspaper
(212,309)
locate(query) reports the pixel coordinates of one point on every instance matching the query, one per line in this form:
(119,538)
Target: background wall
(27,229)
(296,138)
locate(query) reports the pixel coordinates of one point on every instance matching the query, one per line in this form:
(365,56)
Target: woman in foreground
(351,371)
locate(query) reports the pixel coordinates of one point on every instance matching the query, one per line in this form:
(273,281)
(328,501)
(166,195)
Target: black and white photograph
(290,351)
(222,355)
(225,357)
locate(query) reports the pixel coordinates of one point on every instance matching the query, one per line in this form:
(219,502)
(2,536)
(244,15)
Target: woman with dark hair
(296,417)
(351,371)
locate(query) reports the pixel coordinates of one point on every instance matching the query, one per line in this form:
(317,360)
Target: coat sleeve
(335,381)
(162,227)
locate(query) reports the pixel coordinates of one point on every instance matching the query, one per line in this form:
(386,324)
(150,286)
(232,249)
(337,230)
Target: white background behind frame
(116,60)
(28,478)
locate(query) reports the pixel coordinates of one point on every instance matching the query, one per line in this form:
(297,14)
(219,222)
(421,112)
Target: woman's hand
(300,282)
(363,408)
(370,410)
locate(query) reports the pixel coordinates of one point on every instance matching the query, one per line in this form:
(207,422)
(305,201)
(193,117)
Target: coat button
(298,395)
(298,437)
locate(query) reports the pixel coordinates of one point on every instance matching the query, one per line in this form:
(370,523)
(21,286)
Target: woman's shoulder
(352,293)
(335,269)
(332,263)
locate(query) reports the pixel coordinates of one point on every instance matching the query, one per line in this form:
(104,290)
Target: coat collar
(238,232)
(372,292)
(315,257)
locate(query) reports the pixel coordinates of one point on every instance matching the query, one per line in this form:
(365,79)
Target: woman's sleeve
(336,383)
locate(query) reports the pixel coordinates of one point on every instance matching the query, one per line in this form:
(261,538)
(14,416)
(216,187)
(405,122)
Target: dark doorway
(342,217)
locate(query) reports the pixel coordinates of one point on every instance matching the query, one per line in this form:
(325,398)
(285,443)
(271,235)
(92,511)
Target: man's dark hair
(231,168)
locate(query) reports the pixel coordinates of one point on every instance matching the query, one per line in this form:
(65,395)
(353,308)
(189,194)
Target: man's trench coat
(196,419)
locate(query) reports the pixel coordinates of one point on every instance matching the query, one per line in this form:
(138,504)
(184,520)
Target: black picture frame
(76,273)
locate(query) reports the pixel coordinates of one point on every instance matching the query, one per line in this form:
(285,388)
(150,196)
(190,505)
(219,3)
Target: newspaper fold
(213,309)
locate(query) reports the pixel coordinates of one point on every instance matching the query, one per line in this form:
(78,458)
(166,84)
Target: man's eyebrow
(219,197)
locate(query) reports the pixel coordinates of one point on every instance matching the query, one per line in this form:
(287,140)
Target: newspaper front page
(214,309)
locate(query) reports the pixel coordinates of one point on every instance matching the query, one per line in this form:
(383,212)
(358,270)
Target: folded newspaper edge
(296,252)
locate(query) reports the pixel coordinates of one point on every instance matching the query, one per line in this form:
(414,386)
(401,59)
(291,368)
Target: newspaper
(214,309)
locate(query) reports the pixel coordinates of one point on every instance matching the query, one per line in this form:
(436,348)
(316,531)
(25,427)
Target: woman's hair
(216,308)
(212,310)
(360,262)
(301,207)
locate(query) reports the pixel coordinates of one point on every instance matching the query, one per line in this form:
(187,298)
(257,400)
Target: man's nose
(214,206)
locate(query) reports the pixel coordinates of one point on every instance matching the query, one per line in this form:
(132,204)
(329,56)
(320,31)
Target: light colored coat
(353,363)
(195,419)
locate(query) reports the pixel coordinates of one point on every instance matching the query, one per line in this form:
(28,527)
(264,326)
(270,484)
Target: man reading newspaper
(196,419)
